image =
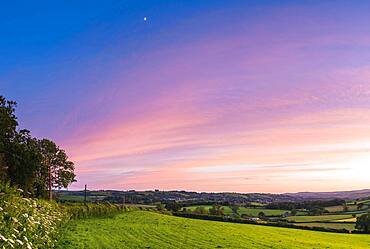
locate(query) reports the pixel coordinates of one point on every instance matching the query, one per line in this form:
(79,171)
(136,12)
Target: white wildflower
(19,241)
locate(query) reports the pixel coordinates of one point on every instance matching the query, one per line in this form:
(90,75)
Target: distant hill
(203,198)
(347,195)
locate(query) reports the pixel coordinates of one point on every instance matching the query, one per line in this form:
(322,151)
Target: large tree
(363,223)
(23,160)
(56,170)
(36,166)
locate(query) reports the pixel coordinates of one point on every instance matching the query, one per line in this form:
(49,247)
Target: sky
(241,96)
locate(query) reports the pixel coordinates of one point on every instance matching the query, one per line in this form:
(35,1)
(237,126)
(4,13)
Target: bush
(28,223)
(363,223)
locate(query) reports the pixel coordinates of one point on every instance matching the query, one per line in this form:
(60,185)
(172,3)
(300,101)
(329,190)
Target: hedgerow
(90,210)
(28,223)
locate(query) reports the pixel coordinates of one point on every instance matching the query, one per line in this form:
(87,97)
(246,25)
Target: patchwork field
(248,211)
(347,226)
(333,217)
(334,209)
(141,229)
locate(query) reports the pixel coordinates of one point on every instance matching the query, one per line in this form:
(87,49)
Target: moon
(145,18)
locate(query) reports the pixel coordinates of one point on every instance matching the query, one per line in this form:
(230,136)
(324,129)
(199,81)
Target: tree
(30,164)
(345,207)
(316,211)
(173,206)
(293,212)
(8,125)
(56,170)
(23,161)
(235,209)
(200,210)
(363,223)
(360,206)
(216,210)
(261,215)
(160,207)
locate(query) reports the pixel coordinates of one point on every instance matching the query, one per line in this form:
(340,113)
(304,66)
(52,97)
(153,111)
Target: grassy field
(348,226)
(333,217)
(358,202)
(334,209)
(348,220)
(248,211)
(142,229)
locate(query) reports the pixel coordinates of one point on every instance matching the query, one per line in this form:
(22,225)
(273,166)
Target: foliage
(160,207)
(235,209)
(79,211)
(173,206)
(253,212)
(316,211)
(23,161)
(261,215)
(141,229)
(309,205)
(56,171)
(33,165)
(8,124)
(363,223)
(216,210)
(28,223)
(200,210)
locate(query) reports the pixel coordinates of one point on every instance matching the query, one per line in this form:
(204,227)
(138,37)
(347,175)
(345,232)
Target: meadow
(331,217)
(335,209)
(248,211)
(348,226)
(143,229)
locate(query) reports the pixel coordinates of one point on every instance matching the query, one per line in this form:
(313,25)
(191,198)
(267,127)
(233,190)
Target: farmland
(335,209)
(247,211)
(141,229)
(347,226)
(318,218)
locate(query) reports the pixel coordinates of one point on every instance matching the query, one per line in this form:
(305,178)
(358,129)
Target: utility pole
(85,200)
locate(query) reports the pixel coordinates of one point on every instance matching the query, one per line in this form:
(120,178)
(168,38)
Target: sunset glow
(244,96)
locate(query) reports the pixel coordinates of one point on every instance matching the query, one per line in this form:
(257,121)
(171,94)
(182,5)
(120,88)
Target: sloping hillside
(142,229)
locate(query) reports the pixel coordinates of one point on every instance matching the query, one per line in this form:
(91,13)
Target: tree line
(37,166)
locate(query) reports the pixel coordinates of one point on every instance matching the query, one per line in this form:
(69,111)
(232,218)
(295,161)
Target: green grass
(348,226)
(358,202)
(141,229)
(248,211)
(257,204)
(334,209)
(332,217)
